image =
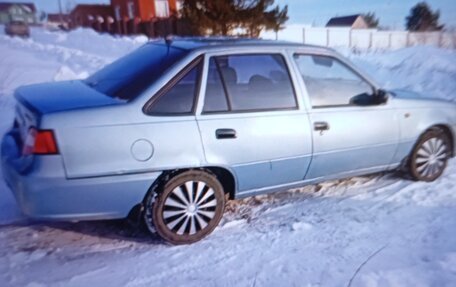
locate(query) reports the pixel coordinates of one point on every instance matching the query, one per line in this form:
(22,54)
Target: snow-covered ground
(378,230)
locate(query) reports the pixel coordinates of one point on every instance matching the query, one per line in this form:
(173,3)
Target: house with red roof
(150,17)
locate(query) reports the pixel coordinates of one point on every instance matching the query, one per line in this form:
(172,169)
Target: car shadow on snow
(117,230)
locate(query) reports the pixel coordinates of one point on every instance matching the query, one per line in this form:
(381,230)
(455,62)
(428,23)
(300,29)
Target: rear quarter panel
(100,141)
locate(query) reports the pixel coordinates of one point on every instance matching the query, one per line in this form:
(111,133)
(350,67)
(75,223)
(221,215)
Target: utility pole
(60,12)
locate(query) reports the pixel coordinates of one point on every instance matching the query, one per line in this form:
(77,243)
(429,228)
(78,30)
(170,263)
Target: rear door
(250,120)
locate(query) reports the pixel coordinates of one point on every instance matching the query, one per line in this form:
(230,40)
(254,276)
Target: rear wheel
(186,208)
(430,155)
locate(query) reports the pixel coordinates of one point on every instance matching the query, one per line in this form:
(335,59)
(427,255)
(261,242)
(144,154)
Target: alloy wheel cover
(189,208)
(431,157)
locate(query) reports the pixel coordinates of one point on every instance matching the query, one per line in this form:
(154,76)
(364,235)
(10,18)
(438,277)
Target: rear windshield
(129,76)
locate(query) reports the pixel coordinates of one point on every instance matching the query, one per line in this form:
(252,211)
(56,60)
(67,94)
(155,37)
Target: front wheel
(430,155)
(187,208)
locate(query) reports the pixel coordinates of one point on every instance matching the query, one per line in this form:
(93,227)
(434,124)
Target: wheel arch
(224,176)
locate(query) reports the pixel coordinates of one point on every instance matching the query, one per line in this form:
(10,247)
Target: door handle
(321,126)
(225,134)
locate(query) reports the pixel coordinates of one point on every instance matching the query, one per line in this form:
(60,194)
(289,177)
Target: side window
(180,97)
(331,83)
(248,83)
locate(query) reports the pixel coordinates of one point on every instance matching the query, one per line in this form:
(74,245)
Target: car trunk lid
(62,96)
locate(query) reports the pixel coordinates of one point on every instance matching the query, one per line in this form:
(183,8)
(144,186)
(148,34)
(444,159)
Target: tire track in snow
(80,62)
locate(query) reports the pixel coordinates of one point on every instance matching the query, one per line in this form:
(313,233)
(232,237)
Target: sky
(391,13)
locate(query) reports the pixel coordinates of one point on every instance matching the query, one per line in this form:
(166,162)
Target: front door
(251,123)
(352,130)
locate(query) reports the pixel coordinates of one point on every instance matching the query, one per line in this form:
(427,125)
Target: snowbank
(428,70)
(89,41)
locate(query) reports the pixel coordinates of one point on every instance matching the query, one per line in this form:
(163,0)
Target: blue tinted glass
(129,76)
(180,98)
(255,82)
(329,82)
(215,99)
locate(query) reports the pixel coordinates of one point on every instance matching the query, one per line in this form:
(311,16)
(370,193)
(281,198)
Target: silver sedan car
(173,130)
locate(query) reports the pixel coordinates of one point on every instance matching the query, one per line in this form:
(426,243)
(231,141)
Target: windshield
(129,76)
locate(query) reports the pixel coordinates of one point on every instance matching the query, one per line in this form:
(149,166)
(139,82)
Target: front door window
(330,83)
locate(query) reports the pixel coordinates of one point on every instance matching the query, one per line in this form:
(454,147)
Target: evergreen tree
(216,17)
(371,20)
(258,15)
(222,17)
(422,18)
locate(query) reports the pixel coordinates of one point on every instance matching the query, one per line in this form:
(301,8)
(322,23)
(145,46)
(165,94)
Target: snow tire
(430,156)
(186,207)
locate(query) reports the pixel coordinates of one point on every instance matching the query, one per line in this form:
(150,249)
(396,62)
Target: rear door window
(253,82)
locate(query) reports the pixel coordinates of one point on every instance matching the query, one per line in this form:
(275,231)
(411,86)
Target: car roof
(211,43)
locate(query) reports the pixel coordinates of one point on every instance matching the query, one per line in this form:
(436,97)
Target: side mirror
(381,96)
(363,99)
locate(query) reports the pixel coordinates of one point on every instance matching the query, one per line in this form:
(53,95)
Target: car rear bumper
(45,193)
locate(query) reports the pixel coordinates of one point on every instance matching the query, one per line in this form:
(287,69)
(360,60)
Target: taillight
(40,142)
(45,143)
